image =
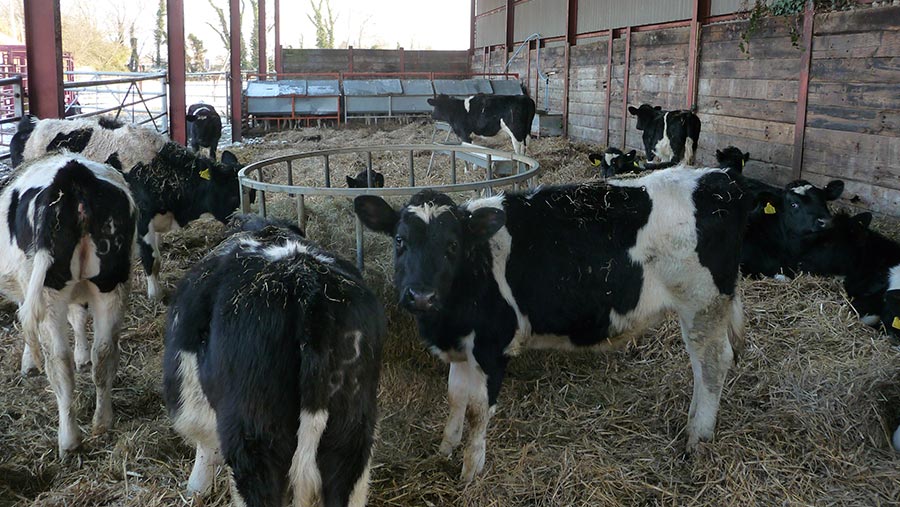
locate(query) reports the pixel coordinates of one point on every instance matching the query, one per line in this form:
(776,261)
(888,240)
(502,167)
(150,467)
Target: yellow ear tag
(595,162)
(205,174)
(896,323)
(769,209)
(743,163)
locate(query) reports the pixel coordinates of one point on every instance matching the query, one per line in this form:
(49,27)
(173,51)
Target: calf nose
(422,300)
(823,222)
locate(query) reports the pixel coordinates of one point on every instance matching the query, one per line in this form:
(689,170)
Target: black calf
(204,128)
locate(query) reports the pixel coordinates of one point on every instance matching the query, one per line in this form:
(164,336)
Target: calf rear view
(271,365)
(66,238)
(204,128)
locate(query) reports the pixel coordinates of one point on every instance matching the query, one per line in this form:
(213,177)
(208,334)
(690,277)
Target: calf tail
(34,309)
(736,327)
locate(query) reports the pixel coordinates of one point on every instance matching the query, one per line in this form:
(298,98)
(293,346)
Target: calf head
(445,106)
(361,180)
(802,208)
(613,162)
(645,114)
(732,158)
(837,249)
(433,237)
(220,188)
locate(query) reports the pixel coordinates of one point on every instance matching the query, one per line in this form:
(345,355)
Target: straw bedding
(806,414)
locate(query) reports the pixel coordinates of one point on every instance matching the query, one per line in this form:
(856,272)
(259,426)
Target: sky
(411,24)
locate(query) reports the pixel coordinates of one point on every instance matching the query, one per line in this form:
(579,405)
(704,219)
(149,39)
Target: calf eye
(452,247)
(795,205)
(399,242)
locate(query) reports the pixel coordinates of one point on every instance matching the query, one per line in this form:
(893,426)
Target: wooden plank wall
(373,60)
(749,100)
(853,122)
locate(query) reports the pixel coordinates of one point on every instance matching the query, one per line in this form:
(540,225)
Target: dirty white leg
(78,320)
(361,488)
(60,371)
(107,312)
(206,459)
(154,290)
(706,339)
(28,365)
(478,415)
(305,477)
(458,397)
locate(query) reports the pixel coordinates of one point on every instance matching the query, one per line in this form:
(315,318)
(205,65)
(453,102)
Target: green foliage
(160,36)
(791,11)
(196,54)
(324,23)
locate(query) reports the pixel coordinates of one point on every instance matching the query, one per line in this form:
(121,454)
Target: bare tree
(160,35)
(224,31)
(324,22)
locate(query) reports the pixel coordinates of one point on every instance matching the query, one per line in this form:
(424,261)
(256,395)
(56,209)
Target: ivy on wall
(791,11)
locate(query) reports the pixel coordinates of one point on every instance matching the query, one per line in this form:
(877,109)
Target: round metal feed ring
(525,168)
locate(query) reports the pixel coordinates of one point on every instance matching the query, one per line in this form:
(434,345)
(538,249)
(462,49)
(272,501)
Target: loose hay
(806,415)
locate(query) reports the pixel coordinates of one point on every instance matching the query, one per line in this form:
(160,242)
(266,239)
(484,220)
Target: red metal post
(625,87)
(234,9)
(510,25)
(809,16)
(402,60)
(278,67)
(472,30)
(43,48)
(571,33)
(177,105)
(261,40)
(609,74)
(700,12)
(572,21)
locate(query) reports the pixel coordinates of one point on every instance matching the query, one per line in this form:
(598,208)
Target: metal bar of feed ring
(247,182)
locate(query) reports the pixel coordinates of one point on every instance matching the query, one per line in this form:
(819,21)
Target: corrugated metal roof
(596,15)
(719,7)
(488,5)
(490,29)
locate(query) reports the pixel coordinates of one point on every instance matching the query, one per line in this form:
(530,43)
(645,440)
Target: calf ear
(376,214)
(485,222)
(863,219)
(228,158)
(633,110)
(834,189)
(190,117)
(658,108)
(768,203)
(631,154)
(718,154)
(351,183)
(430,102)
(747,157)
(596,159)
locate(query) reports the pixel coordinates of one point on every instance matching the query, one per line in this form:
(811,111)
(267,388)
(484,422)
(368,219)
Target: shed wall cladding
(491,29)
(482,6)
(596,15)
(587,90)
(373,60)
(545,16)
(720,7)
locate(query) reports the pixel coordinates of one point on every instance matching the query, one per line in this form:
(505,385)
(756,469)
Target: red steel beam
(277,14)
(625,87)
(261,40)
(234,11)
(402,60)
(43,49)
(177,105)
(572,22)
(510,25)
(609,74)
(809,15)
(472,29)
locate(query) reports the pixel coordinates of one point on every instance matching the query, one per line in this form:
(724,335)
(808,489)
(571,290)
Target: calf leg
(28,365)
(78,321)
(206,459)
(306,479)
(706,336)
(107,311)
(458,398)
(150,259)
(60,371)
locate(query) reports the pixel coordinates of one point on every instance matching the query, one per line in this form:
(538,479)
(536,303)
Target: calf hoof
(28,370)
(102,423)
(472,466)
(68,444)
(446,448)
(83,366)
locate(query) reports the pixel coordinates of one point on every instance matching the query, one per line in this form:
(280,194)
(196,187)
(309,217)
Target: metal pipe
(412,170)
(359,245)
(327,171)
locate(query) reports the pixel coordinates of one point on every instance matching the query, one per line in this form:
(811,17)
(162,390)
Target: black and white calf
(783,223)
(271,366)
(66,239)
(573,267)
(612,162)
(361,180)
(486,115)
(101,140)
(670,137)
(204,128)
(171,185)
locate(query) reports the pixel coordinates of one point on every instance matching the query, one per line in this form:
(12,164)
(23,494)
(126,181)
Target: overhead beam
(277,16)
(234,43)
(176,74)
(572,22)
(472,29)
(261,39)
(43,48)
